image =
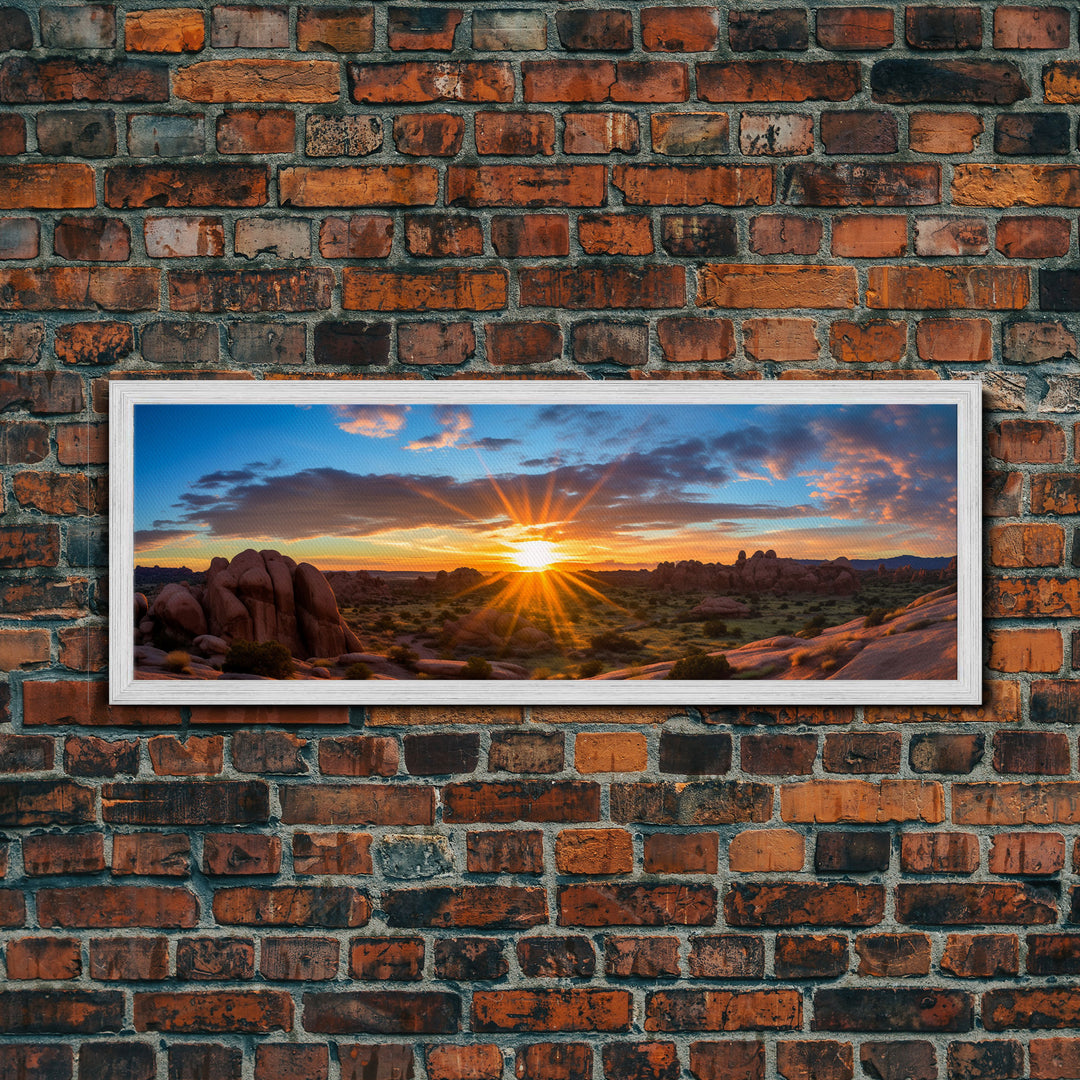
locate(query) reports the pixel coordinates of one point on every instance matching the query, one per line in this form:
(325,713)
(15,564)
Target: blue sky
(428,487)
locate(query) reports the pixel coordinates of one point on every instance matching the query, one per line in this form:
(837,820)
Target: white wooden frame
(125,396)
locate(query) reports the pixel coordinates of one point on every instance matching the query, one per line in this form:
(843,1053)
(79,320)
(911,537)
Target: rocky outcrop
(917,642)
(489,628)
(763,572)
(256,596)
(719,607)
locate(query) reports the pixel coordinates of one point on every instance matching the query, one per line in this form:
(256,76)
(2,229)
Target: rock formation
(257,596)
(763,572)
(489,628)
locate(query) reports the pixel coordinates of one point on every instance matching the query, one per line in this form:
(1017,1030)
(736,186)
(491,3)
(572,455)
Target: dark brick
(556,957)
(931,752)
(1032,134)
(359,344)
(611,30)
(976,82)
(852,852)
(199,802)
(943,27)
(440,755)
(388,1012)
(860,1009)
(692,235)
(810,956)
(899,1059)
(470,958)
(768,30)
(697,755)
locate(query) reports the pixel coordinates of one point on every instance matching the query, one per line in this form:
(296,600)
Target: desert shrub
(476,667)
(875,617)
(178,662)
(701,666)
(612,642)
(267,658)
(736,631)
(715,627)
(799,657)
(543,673)
(812,627)
(590,668)
(403,656)
(358,670)
(828,665)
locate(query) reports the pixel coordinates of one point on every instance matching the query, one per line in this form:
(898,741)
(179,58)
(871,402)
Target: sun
(535,554)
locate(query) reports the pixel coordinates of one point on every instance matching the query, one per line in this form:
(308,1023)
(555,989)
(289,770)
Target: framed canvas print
(556,542)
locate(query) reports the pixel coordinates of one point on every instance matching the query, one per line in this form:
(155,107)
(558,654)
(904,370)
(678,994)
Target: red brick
(783,340)
(12,135)
(594,851)
(306,958)
(608,287)
(618,904)
(776,134)
(287,1061)
(335,29)
(604,80)
(686,340)
(361,1061)
(523,342)
(117,905)
(444,236)
(151,854)
(129,958)
(164,30)
(615,234)
(526,185)
(1054,1059)
(530,235)
(944,133)
(778,80)
(23,80)
(1033,237)
(600,133)
(211,1011)
(551,1010)
(211,958)
(241,854)
(481,1061)
(256,131)
(1027,545)
(358,185)
(480,289)
(1028,441)
(507,134)
(939,853)
(680,29)
(782,234)
(922,288)
(258,80)
(961,341)
(868,342)
(43,958)
(803,956)
(672,853)
(694,185)
(777,286)
(1027,853)
(92,239)
(940,236)
(79,288)
(980,956)
(819,1059)
(509,852)
(196,756)
(869,237)
(414,82)
(386,958)
(332,853)
(1024,27)
(296,905)
(429,134)
(1026,650)
(851,29)
(610,30)
(723,1010)
(73,854)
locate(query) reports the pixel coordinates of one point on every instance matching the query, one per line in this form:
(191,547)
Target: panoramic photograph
(574,541)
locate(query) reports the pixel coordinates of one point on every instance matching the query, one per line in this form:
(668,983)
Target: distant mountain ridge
(916,562)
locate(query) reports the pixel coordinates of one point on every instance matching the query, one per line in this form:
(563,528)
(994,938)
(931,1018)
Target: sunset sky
(429,487)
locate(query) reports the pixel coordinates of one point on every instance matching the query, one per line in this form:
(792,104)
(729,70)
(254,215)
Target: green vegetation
(359,670)
(267,658)
(701,666)
(637,626)
(476,667)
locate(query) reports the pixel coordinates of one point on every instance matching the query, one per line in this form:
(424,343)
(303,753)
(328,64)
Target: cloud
(371,421)
(152,539)
(225,476)
(490,444)
(454,422)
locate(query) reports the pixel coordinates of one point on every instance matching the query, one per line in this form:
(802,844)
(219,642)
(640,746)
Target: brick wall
(524,191)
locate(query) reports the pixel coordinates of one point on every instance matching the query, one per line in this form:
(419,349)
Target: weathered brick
(257,80)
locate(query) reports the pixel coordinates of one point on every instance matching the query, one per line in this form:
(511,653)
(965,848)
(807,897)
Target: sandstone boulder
(490,628)
(719,607)
(256,596)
